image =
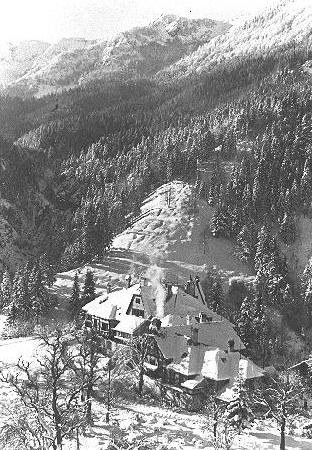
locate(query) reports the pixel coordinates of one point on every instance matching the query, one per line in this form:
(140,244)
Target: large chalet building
(191,350)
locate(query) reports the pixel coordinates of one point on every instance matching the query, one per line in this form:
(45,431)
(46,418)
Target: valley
(155,236)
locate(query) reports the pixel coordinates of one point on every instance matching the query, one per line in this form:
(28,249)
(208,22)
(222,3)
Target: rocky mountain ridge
(140,52)
(287,24)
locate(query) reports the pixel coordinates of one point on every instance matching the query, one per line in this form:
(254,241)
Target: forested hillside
(89,157)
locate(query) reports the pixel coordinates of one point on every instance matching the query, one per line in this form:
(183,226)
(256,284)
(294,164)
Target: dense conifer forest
(82,162)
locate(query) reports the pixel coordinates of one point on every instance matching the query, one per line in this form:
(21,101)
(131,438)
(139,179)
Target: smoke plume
(155,274)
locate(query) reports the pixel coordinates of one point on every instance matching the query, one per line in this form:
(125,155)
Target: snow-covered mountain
(139,52)
(288,23)
(17,59)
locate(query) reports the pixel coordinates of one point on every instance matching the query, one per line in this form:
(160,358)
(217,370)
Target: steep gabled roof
(114,305)
(212,334)
(215,364)
(307,363)
(172,346)
(178,304)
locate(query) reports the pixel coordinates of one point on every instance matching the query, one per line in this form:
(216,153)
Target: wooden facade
(104,327)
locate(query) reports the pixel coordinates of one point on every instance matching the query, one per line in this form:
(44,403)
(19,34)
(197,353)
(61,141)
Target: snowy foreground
(162,428)
(149,425)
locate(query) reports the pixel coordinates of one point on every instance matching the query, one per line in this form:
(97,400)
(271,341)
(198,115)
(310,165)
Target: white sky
(50,20)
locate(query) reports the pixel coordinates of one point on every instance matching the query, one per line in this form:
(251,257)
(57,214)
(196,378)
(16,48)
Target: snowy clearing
(163,428)
(171,231)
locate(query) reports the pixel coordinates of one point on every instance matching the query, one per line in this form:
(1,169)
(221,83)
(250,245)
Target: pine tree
(219,224)
(20,294)
(88,294)
(306,186)
(75,299)
(308,300)
(6,289)
(13,314)
(39,298)
(217,295)
(238,412)
(247,240)
(245,322)
(263,247)
(47,270)
(262,343)
(288,229)
(213,290)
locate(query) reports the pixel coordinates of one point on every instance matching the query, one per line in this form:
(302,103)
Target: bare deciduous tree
(280,398)
(49,391)
(89,367)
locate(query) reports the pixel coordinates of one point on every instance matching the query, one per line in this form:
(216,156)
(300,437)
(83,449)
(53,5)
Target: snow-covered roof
(173,319)
(179,304)
(216,334)
(172,346)
(129,324)
(176,308)
(306,362)
(215,364)
(240,366)
(249,369)
(192,384)
(113,305)
(173,342)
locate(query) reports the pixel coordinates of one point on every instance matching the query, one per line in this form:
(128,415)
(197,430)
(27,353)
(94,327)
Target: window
(152,360)
(138,300)
(138,312)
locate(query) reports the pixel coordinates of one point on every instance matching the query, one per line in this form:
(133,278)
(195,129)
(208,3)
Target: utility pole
(77,438)
(108,391)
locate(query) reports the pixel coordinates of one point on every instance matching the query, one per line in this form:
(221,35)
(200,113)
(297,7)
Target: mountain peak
(166,19)
(284,23)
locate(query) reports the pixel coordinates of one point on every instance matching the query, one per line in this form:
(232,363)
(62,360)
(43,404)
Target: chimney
(203,318)
(194,336)
(196,283)
(192,287)
(231,345)
(199,291)
(143,281)
(155,326)
(169,291)
(128,281)
(187,287)
(109,287)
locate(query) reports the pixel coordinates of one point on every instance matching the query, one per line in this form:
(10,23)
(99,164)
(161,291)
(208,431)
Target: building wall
(136,307)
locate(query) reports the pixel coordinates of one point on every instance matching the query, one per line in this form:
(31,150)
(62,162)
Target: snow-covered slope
(169,233)
(289,22)
(139,52)
(15,60)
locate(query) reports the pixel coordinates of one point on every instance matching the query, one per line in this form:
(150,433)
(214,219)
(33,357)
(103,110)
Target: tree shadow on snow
(273,440)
